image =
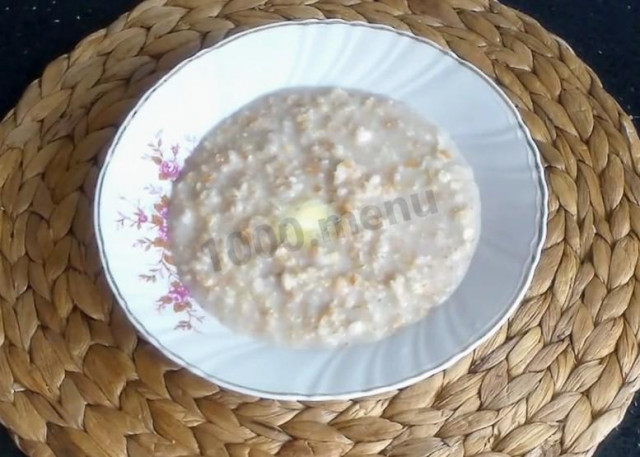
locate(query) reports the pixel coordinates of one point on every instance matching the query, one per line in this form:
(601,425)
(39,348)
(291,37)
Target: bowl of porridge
(337,200)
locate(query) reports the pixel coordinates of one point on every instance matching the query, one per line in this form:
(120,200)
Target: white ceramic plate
(171,119)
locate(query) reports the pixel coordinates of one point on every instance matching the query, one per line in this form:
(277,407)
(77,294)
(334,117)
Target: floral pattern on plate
(151,219)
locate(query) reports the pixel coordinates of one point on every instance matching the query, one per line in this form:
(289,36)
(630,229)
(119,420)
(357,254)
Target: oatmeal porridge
(323,218)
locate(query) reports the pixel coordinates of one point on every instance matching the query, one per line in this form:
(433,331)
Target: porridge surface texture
(323,217)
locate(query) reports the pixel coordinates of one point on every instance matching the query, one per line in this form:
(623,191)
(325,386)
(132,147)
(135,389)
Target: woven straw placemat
(75,380)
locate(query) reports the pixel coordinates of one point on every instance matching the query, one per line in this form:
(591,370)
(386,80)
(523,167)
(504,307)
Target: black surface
(606,34)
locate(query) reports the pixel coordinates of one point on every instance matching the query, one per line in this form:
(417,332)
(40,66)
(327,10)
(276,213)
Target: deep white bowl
(167,125)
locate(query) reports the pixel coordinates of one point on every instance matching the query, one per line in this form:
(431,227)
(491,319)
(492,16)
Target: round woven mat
(75,380)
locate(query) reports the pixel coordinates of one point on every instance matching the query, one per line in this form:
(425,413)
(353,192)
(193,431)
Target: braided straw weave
(75,380)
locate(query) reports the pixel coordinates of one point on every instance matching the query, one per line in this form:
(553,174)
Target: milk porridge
(323,218)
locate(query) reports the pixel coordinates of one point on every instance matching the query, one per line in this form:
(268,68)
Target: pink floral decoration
(154,219)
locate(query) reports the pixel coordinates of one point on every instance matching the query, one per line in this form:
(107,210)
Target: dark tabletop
(605,33)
